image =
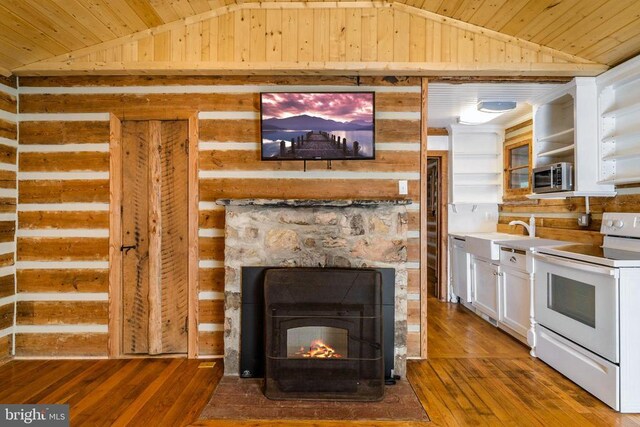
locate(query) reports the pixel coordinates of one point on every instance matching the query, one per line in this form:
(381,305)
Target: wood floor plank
(77,410)
(127,415)
(85,382)
(105,413)
(166,396)
(199,389)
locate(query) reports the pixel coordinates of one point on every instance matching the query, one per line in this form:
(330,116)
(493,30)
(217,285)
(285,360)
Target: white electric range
(587,310)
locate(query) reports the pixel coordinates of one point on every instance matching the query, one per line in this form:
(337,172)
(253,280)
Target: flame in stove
(319,350)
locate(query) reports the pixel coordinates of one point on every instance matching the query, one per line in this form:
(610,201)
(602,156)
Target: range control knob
(609,223)
(618,223)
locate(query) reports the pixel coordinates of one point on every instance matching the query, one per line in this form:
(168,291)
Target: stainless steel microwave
(554,177)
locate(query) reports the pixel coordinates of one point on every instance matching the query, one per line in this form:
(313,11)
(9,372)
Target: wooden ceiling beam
(4,72)
(313,68)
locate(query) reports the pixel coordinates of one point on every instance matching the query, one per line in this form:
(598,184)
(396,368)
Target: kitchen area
(544,229)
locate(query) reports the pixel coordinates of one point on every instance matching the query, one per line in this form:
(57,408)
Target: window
(517,172)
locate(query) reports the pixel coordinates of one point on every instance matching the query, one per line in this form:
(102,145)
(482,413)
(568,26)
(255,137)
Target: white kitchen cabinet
(565,129)
(475,164)
(619,130)
(484,285)
(515,293)
(515,290)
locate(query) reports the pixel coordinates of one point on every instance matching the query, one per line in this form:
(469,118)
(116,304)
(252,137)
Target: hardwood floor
(136,392)
(475,376)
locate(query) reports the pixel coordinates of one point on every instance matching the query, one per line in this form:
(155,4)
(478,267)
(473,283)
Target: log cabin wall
(63,218)
(558,219)
(8,170)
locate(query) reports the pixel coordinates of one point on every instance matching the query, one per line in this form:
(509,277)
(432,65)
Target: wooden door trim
(114,345)
(193,199)
(424,132)
(425,153)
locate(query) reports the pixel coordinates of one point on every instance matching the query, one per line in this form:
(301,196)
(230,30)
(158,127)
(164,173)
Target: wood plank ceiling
(602,31)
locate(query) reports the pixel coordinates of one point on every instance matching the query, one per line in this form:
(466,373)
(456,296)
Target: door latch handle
(126,249)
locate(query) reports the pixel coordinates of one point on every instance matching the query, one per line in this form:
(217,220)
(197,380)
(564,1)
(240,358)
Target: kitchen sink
(484,244)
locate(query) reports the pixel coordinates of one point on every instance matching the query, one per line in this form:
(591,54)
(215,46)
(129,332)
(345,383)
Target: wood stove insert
(323,334)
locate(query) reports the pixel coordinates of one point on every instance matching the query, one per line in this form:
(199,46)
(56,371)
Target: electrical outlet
(403,187)
(584,220)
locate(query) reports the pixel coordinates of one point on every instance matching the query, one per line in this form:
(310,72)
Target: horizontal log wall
(63,229)
(63,210)
(8,183)
(558,219)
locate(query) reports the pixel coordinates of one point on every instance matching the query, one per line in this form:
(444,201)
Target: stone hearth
(313,233)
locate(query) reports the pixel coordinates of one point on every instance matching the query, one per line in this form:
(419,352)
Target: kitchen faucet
(531,227)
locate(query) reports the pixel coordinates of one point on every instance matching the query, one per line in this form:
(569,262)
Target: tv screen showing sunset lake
(317,126)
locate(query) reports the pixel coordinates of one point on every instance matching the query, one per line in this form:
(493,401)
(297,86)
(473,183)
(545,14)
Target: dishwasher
(460,285)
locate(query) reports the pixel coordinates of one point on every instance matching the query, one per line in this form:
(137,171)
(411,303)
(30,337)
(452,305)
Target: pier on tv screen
(317,126)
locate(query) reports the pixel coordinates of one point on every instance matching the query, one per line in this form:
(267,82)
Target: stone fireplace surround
(313,233)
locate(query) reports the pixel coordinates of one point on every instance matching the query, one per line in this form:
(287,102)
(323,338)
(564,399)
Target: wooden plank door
(154,237)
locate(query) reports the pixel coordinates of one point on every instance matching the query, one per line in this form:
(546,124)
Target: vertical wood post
(344,145)
(424,130)
(283,148)
(155,238)
(356,147)
(115,237)
(192,233)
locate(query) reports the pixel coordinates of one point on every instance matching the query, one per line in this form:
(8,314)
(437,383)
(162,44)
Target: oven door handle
(575,264)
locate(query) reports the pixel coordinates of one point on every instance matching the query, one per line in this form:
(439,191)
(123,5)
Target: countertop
(489,235)
(530,244)
(514,241)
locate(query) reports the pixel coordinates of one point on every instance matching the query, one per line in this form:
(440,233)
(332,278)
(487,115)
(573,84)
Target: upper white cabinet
(555,132)
(619,132)
(565,129)
(476,164)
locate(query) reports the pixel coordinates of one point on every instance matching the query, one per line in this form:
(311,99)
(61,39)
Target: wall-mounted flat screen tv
(317,125)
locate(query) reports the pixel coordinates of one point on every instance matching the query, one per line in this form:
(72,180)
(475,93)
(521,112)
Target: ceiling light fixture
(496,106)
(485,111)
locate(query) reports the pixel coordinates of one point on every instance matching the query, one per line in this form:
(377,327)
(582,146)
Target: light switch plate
(403,187)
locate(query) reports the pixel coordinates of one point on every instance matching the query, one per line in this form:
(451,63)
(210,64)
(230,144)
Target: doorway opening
(436,232)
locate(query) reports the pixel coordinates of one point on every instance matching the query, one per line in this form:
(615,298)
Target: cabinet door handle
(513,259)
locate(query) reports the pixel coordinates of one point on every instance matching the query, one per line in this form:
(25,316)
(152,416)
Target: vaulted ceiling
(596,31)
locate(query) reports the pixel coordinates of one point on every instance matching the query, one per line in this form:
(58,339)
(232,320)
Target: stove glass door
(579,301)
(572,298)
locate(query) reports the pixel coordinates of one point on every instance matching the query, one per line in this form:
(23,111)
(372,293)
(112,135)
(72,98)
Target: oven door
(579,301)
